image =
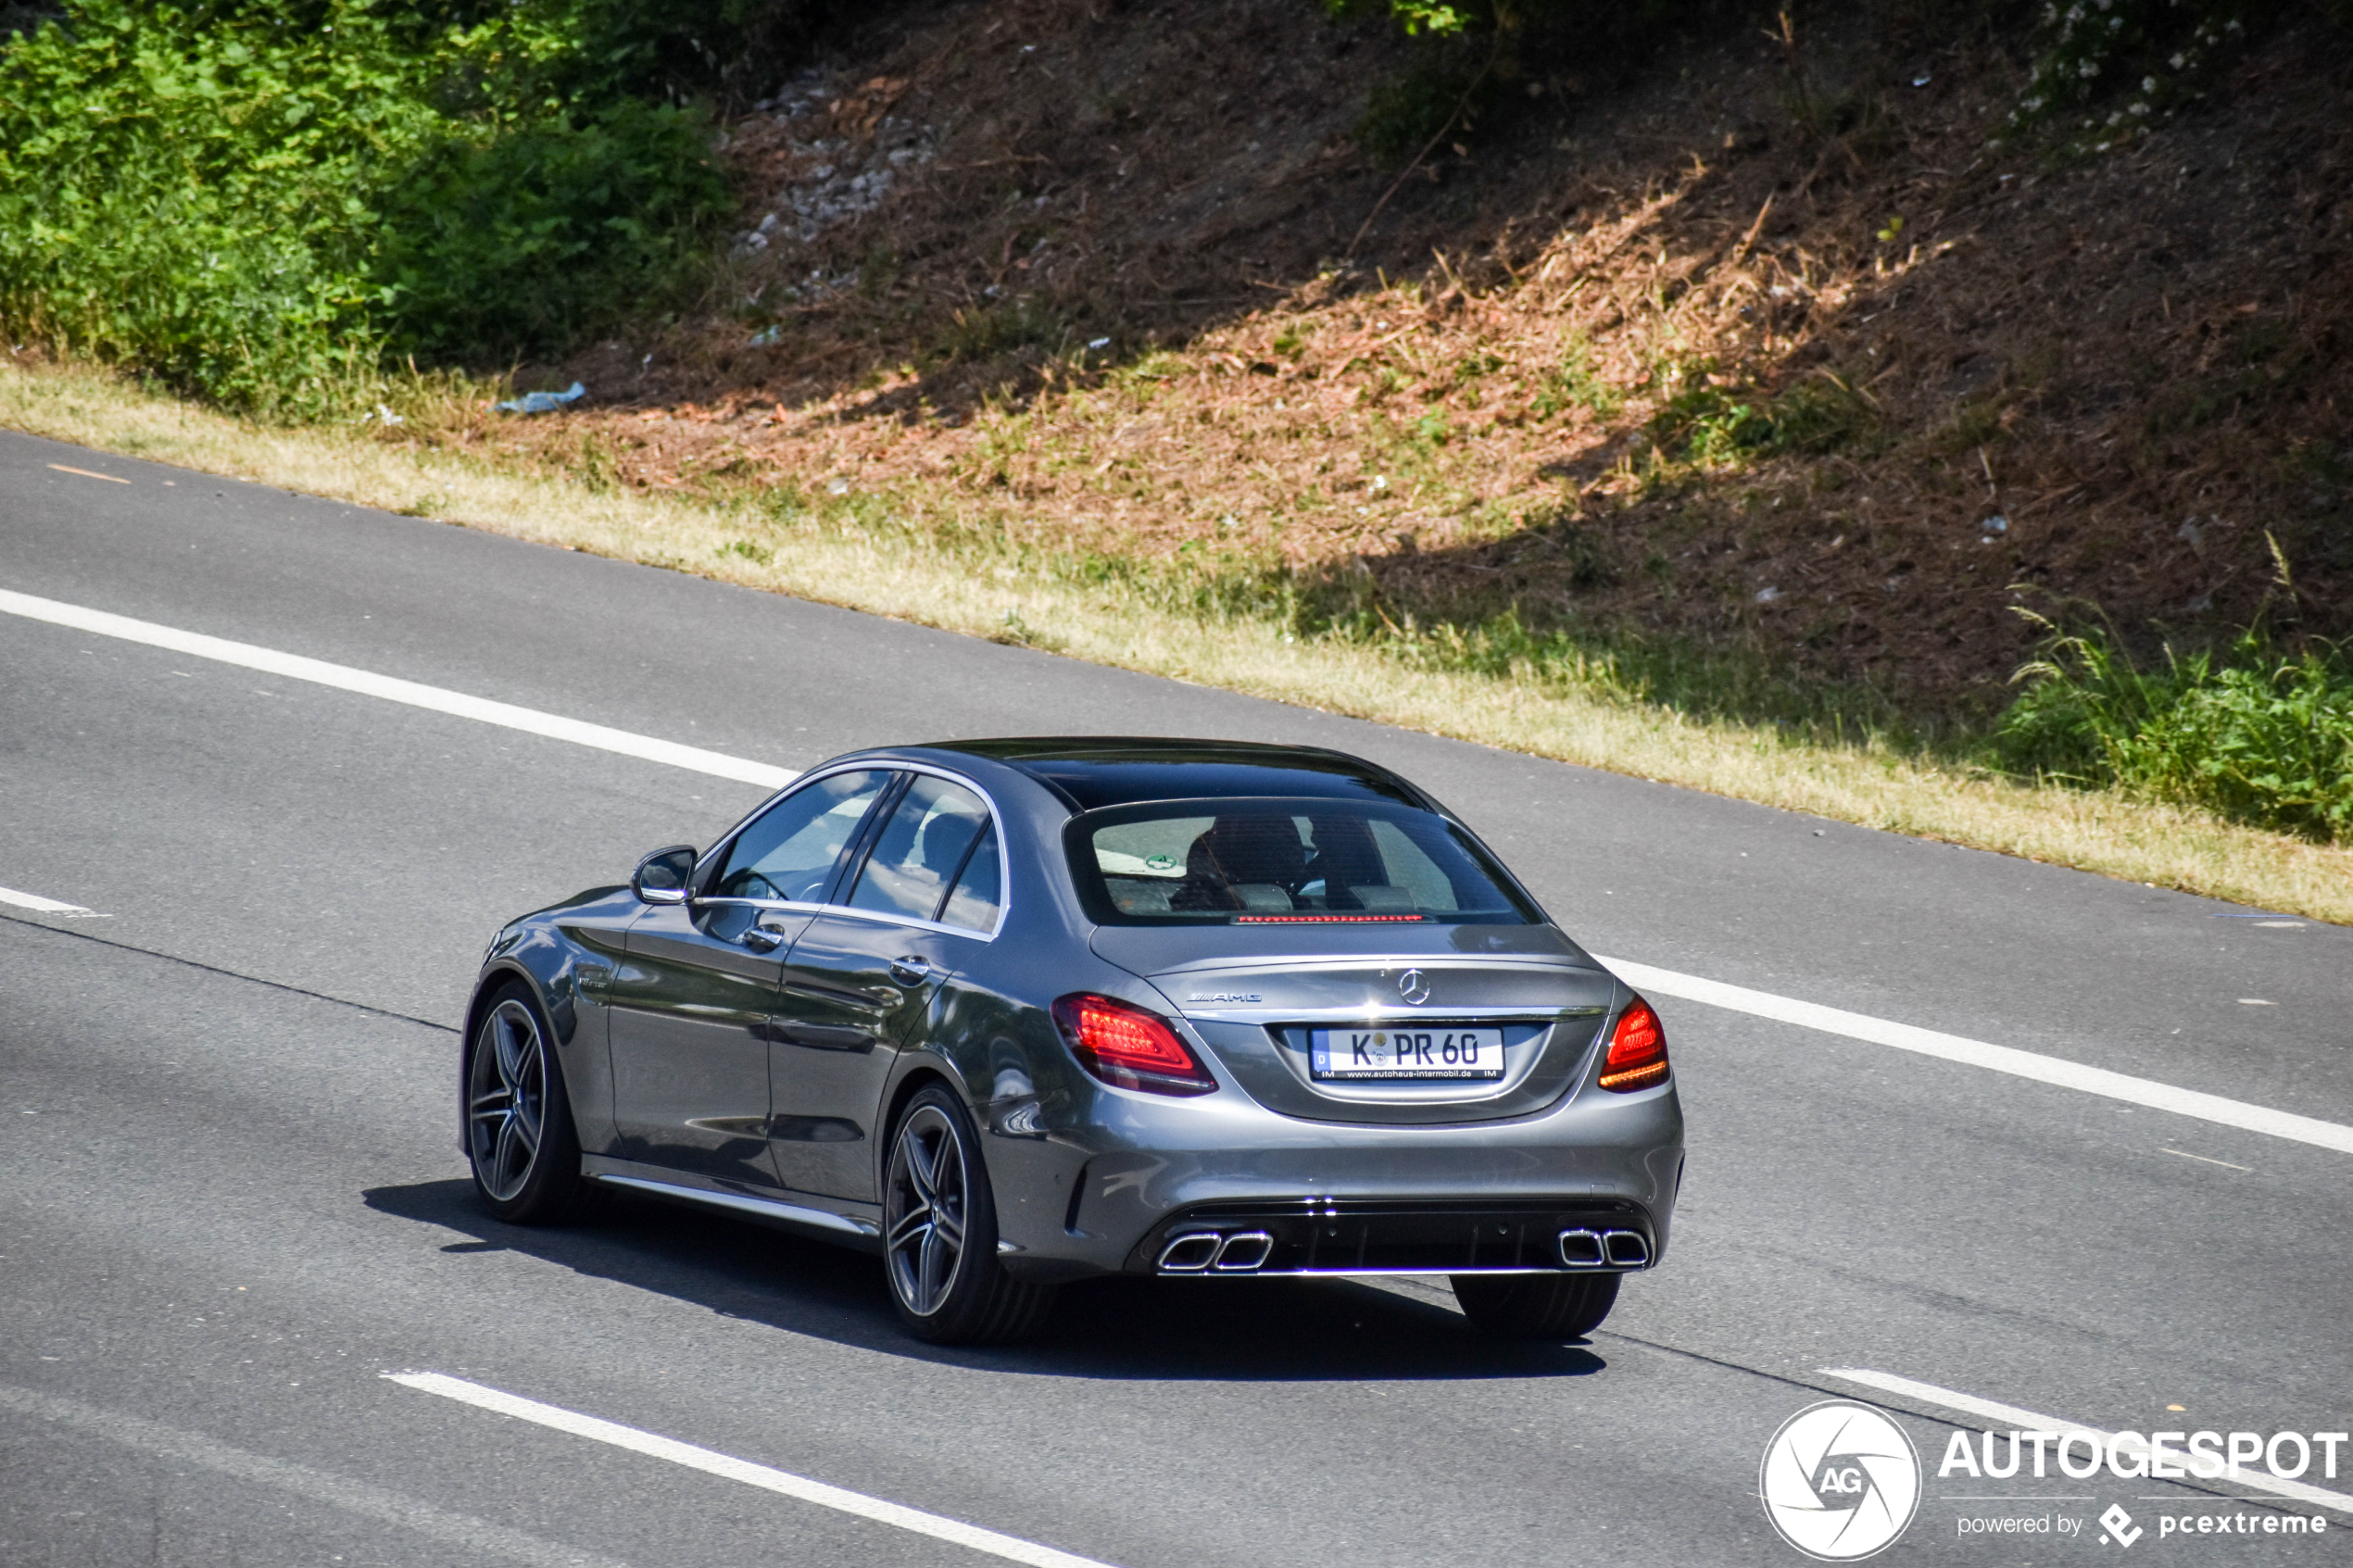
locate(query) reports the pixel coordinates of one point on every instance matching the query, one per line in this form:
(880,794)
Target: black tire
(940,1233)
(520,1140)
(1536,1306)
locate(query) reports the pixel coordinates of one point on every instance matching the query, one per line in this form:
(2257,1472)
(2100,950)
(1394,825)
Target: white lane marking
(1854,1025)
(1980,1053)
(85,473)
(46,906)
(473,1537)
(343,677)
(2225,1164)
(715,1463)
(2011,1416)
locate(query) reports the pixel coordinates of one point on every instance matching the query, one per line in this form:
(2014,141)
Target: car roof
(1093,771)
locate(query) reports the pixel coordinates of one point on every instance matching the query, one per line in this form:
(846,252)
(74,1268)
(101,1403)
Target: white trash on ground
(542,402)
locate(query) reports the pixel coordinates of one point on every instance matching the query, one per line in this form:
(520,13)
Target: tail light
(1129,1048)
(1637,1057)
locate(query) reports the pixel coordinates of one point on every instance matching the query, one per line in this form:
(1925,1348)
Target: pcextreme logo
(1840,1480)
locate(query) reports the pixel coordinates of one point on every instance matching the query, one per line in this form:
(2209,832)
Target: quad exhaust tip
(1204,1251)
(1604,1249)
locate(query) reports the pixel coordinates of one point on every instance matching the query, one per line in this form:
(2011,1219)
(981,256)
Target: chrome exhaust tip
(1190,1253)
(1626,1250)
(1243,1251)
(1582,1250)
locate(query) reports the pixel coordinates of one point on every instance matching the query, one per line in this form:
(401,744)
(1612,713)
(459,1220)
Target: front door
(694,998)
(860,983)
(691,1004)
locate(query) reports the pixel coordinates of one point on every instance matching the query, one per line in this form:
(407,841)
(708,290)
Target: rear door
(694,997)
(861,981)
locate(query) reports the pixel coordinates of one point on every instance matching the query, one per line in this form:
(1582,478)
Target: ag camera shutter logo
(1841,1481)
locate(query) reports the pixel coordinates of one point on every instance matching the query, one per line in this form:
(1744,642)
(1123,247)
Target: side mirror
(662,877)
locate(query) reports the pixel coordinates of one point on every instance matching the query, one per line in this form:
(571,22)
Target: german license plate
(1338,1056)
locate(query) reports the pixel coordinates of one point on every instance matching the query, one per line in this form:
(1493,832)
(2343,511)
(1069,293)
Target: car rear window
(1286,861)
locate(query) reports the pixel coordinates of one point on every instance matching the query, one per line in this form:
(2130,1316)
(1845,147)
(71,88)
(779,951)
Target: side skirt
(843,1223)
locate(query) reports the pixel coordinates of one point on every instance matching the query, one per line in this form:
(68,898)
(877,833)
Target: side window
(790,852)
(926,840)
(978,891)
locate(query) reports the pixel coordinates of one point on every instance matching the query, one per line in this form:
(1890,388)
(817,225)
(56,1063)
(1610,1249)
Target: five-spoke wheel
(518,1134)
(940,1233)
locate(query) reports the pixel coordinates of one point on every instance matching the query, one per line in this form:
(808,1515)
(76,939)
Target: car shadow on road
(1270,1330)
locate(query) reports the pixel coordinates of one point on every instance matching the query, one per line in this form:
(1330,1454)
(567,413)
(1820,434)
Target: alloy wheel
(506,1099)
(925,1209)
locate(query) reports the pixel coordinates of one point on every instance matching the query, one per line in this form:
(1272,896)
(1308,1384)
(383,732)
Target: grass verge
(859,551)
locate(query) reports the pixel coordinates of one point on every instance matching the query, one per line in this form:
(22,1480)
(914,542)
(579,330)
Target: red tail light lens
(1637,1057)
(1129,1048)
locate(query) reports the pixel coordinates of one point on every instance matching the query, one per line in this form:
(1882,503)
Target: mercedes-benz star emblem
(1413,987)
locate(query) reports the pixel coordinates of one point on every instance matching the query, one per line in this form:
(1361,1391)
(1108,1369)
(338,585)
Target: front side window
(916,859)
(790,852)
(1286,861)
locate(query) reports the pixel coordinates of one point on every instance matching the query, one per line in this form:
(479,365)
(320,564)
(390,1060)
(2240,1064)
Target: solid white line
(1979,1053)
(46,906)
(1664,982)
(712,1462)
(473,1538)
(294,667)
(2010,1417)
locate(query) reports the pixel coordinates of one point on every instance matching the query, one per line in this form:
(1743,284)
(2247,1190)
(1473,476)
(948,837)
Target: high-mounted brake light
(1637,1057)
(1129,1048)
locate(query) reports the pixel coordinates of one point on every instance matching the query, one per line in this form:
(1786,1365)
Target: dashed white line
(85,473)
(2010,1417)
(47,906)
(343,677)
(1664,982)
(1980,1053)
(712,1462)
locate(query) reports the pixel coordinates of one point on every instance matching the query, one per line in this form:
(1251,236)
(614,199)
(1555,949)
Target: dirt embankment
(1735,344)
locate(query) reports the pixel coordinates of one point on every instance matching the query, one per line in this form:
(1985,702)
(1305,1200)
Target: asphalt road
(230,1201)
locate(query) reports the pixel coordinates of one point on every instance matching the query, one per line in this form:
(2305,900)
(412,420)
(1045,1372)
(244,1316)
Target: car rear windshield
(1286,861)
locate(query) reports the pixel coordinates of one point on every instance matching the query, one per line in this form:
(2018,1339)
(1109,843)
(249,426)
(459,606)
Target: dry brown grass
(1522,393)
(857,554)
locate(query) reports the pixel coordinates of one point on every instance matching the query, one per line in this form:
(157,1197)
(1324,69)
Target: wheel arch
(497,978)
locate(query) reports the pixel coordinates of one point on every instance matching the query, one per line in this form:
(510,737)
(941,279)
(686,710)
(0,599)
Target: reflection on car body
(1014,1012)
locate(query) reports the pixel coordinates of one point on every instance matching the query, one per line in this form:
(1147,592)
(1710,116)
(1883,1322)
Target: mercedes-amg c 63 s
(1014,1012)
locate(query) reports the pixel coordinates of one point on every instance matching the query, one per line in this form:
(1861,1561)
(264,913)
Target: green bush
(2258,735)
(544,233)
(259,203)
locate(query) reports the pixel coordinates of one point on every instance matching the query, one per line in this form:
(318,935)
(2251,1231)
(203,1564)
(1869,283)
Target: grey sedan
(1014,1012)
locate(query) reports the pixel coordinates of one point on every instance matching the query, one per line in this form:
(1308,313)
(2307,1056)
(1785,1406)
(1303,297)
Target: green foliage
(1713,425)
(1405,114)
(257,203)
(2152,54)
(545,234)
(1573,384)
(2256,734)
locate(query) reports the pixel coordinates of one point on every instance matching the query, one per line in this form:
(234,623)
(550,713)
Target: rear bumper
(1107,1192)
(1336,1236)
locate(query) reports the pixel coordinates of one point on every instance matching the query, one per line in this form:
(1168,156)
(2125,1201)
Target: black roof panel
(1099,770)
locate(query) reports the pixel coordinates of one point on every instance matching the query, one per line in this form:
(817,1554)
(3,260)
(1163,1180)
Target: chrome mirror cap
(662,876)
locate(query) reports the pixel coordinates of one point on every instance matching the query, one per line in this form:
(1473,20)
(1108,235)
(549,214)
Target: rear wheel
(939,1234)
(1536,1306)
(518,1134)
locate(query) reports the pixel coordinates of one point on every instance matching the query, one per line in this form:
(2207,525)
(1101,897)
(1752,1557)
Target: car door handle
(910,969)
(761,939)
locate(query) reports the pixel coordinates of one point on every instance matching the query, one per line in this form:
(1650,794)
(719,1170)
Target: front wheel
(518,1134)
(939,1234)
(1536,1306)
